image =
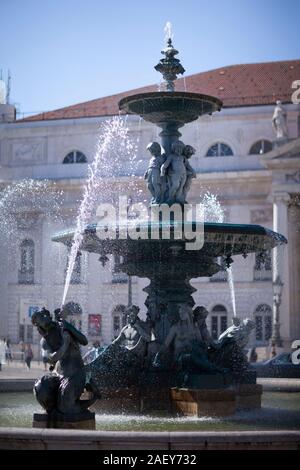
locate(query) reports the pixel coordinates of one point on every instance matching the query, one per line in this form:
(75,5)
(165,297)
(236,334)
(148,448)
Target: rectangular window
(223,323)
(26,333)
(26,277)
(268,327)
(21,333)
(29,333)
(214,327)
(258,328)
(263,266)
(117,323)
(117,275)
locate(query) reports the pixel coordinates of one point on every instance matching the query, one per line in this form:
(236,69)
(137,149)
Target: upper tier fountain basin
(219,240)
(174,107)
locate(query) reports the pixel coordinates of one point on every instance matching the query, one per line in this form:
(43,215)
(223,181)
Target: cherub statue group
(187,347)
(169,176)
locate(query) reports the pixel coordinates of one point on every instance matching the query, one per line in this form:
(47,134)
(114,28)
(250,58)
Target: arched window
(260,147)
(218,321)
(75,157)
(219,150)
(26,272)
(263,266)
(263,322)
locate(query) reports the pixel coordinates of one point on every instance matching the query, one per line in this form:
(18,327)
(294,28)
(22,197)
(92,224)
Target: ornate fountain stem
(165,295)
(169,67)
(169,134)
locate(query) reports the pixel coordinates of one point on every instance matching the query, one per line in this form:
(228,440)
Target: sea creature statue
(239,333)
(121,362)
(230,351)
(60,390)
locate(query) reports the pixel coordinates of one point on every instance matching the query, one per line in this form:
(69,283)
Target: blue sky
(62,52)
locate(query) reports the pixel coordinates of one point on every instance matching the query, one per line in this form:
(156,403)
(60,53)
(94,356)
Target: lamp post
(129,291)
(277,293)
(131,214)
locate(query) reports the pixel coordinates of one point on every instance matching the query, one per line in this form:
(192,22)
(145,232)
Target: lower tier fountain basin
(279,411)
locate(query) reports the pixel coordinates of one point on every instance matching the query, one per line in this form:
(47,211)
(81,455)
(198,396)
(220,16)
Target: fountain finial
(169,67)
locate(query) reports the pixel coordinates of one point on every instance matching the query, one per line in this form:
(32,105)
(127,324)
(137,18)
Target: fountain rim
(209,227)
(168,95)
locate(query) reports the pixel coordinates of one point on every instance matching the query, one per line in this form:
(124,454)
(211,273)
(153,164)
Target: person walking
(2,353)
(8,353)
(28,355)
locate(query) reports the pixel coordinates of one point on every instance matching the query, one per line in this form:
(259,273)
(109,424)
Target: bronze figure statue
(60,390)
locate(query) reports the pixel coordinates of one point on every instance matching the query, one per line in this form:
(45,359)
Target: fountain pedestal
(134,400)
(199,402)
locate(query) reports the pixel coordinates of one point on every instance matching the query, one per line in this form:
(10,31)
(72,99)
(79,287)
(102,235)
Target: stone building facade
(255,177)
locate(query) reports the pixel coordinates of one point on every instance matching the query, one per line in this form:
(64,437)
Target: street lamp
(277,293)
(129,304)
(131,214)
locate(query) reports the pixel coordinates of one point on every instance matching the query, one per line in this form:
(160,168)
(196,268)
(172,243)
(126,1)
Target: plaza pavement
(18,370)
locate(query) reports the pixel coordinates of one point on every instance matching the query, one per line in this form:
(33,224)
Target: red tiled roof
(235,85)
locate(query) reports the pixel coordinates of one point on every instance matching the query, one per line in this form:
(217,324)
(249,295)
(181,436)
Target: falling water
(213,212)
(232,289)
(113,147)
(28,197)
(168,31)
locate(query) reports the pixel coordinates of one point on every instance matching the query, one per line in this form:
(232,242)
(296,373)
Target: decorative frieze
(295,177)
(28,150)
(294,200)
(27,220)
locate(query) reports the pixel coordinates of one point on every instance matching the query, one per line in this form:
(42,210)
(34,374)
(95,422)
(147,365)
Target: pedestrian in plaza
(2,353)
(8,353)
(28,355)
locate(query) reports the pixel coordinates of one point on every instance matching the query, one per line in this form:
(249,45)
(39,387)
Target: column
(294,264)
(281,317)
